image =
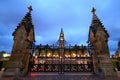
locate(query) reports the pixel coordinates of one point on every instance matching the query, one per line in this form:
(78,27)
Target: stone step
(11,72)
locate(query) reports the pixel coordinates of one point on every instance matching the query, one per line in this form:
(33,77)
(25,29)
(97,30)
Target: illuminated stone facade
(61,58)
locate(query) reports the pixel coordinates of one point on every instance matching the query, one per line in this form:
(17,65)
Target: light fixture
(73,55)
(49,54)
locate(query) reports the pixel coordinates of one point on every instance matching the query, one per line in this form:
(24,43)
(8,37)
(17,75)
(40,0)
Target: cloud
(49,16)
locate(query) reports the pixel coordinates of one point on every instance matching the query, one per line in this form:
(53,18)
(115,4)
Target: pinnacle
(95,20)
(93,10)
(30,9)
(61,30)
(26,21)
(94,14)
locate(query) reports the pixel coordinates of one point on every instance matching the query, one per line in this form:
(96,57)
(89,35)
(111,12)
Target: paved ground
(57,76)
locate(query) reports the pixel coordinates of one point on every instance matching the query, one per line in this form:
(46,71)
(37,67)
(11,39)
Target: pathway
(66,76)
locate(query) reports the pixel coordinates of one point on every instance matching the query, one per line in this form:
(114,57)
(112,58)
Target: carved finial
(93,10)
(30,9)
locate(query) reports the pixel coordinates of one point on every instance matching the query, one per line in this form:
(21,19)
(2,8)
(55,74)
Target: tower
(98,39)
(61,43)
(61,48)
(61,39)
(22,46)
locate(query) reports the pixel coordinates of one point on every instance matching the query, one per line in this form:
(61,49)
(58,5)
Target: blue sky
(49,16)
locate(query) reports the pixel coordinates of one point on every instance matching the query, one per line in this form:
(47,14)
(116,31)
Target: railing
(61,67)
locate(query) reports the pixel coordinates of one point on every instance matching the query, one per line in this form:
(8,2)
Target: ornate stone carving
(20,55)
(98,37)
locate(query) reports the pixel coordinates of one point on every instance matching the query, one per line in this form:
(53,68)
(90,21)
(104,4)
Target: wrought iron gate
(61,66)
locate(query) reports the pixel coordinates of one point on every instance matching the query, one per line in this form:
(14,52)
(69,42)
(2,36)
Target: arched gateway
(59,57)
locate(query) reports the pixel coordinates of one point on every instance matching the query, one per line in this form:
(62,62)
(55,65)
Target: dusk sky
(49,16)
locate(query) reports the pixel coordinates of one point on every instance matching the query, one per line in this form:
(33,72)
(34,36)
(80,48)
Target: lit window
(49,54)
(67,55)
(73,55)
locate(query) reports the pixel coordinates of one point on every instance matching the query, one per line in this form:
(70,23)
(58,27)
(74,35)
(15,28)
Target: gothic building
(60,58)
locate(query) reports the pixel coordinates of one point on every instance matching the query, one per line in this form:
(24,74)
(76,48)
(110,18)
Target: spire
(30,9)
(94,14)
(26,22)
(61,30)
(61,34)
(96,25)
(96,21)
(93,10)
